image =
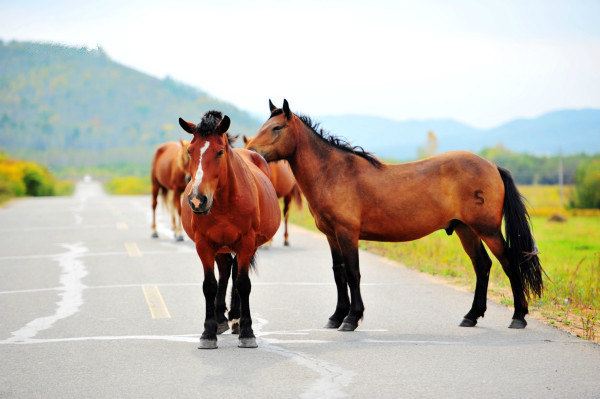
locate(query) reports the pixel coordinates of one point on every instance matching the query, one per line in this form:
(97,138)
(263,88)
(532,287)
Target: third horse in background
(286,187)
(169,178)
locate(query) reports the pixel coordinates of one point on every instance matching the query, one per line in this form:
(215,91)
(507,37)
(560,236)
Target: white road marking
(90,254)
(199,284)
(332,378)
(73,271)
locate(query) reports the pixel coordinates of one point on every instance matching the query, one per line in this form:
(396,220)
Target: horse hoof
(518,324)
(468,323)
(286,244)
(332,324)
(179,238)
(154,234)
(248,343)
(346,326)
(208,344)
(235,327)
(222,327)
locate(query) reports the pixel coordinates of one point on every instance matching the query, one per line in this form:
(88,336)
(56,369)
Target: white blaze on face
(199,171)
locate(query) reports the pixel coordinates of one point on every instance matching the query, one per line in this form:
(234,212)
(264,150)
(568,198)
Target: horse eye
(220,153)
(276,128)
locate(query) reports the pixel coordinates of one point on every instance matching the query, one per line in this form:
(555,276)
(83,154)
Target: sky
(479,62)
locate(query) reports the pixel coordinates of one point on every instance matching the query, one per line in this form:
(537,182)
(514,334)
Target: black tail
(522,251)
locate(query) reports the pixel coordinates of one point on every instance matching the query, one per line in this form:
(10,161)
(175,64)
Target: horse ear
(272,106)
(223,125)
(245,139)
(187,126)
(286,109)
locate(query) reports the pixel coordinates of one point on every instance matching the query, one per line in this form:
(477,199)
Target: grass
(128,185)
(569,253)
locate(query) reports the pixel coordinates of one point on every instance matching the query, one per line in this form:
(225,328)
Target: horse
(353,196)
(231,208)
(169,179)
(286,187)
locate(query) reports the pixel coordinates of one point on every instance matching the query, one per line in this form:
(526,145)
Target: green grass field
(569,252)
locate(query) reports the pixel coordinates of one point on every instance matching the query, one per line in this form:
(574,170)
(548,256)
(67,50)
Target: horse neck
(307,161)
(227,189)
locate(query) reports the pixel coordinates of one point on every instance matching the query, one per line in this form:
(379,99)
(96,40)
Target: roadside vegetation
(569,244)
(25,178)
(128,185)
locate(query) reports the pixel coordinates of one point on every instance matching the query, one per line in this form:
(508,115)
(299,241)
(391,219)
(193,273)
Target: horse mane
(337,142)
(208,125)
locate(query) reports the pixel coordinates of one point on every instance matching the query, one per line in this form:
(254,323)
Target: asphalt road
(91,306)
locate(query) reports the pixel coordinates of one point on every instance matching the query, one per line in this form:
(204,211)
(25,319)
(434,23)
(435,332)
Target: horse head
(276,138)
(208,151)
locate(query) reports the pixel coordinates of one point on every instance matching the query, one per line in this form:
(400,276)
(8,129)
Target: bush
(587,185)
(19,178)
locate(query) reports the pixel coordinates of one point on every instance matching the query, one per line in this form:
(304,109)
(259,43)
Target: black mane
(209,122)
(337,142)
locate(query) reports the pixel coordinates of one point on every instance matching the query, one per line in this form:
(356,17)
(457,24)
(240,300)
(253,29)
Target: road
(91,306)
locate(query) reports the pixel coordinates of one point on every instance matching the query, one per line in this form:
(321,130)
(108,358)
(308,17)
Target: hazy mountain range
(68,106)
(566,131)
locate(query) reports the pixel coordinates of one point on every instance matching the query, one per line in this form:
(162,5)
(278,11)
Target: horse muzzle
(200,204)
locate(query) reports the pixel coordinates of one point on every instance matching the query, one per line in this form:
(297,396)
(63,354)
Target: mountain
(566,131)
(67,106)
(75,107)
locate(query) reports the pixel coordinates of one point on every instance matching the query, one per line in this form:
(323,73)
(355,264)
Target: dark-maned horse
(286,187)
(169,178)
(353,196)
(231,208)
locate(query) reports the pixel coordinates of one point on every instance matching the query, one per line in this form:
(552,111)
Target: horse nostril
(203,200)
(194,201)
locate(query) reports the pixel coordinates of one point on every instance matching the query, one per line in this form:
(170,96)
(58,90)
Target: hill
(567,131)
(66,106)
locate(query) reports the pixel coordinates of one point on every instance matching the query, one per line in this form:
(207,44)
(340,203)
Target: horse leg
(497,245)
(208,340)
(224,262)
(246,337)
(286,213)
(234,304)
(349,247)
(481,263)
(155,190)
(339,274)
(177,215)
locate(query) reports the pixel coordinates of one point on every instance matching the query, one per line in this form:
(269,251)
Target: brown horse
(232,208)
(286,187)
(353,196)
(169,178)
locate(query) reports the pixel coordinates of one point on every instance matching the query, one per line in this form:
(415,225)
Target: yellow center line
(155,302)
(133,250)
(122,226)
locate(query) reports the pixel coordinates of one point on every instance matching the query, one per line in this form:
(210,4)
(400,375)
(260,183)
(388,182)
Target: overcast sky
(480,62)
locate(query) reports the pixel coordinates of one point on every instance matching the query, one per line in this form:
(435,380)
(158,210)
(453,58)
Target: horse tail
(521,248)
(296,194)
